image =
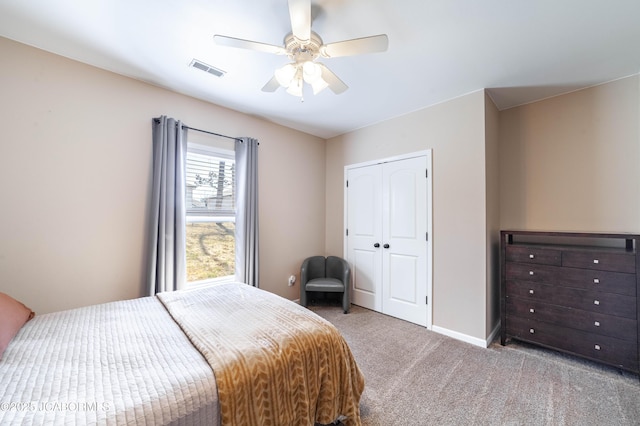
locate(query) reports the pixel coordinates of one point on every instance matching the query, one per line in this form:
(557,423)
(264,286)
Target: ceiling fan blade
(336,85)
(248,44)
(357,46)
(300,13)
(272,85)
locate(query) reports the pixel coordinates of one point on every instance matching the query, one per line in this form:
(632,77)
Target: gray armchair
(331,274)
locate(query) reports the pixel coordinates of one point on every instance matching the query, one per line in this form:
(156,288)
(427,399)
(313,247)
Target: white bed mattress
(106,364)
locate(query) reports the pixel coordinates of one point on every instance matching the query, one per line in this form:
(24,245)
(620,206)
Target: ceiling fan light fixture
(293,76)
(285,74)
(311,72)
(295,87)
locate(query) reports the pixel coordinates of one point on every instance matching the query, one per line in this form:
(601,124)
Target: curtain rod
(211,133)
(157,120)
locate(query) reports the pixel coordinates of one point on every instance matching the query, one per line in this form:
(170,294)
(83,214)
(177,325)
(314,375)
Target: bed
(229,354)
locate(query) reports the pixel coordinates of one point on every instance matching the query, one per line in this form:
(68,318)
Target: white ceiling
(523,50)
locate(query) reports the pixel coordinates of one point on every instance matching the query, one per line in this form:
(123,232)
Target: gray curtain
(167,236)
(247,211)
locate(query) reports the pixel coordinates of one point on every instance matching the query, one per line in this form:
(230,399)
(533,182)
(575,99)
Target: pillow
(13,315)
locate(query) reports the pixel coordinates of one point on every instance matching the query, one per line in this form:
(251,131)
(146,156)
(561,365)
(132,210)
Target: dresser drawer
(621,353)
(592,322)
(604,281)
(528,272)
(537,255)
(592,301)
(604,261)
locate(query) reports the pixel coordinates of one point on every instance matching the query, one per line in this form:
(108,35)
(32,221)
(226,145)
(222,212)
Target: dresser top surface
(572,234)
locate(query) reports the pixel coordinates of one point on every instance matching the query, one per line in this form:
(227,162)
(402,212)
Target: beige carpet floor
(418,377)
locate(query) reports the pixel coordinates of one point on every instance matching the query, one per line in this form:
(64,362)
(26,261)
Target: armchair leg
(345,302)
(303,298)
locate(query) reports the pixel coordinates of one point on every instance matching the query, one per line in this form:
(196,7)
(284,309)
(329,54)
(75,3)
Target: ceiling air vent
(207,68)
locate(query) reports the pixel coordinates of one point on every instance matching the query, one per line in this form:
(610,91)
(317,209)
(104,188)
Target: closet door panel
(404,257)
(364,224)
(405,269)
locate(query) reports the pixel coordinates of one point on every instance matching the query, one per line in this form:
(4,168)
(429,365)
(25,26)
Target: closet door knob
(376,245)
(386,246)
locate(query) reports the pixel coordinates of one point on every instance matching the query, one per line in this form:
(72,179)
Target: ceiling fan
(303,47)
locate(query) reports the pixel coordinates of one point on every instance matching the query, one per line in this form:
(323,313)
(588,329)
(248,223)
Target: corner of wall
(492,176)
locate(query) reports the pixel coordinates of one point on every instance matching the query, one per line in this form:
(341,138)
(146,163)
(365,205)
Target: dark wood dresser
(574,292)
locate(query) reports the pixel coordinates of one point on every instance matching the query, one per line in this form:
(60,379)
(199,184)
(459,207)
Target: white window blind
(210,189)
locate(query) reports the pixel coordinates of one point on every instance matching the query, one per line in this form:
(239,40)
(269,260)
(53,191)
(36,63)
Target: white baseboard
(483,343)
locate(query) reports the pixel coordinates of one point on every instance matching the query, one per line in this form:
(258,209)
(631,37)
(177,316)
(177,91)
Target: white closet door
(364,225)
(404,237)
(387,224)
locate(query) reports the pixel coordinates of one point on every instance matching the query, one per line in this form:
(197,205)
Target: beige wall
(454,130)
(75,177)
(572,162)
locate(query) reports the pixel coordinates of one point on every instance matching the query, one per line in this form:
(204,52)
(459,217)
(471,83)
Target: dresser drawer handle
(532,310)
(597,323)
(531,256)
(596,261)
(597,347)
(596,281)
(532,331)
(530,272)
(530,291)
(596,302)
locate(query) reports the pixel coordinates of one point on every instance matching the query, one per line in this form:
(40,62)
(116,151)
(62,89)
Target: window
(210,203)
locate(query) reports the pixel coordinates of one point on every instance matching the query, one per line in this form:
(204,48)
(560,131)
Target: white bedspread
(122,363)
